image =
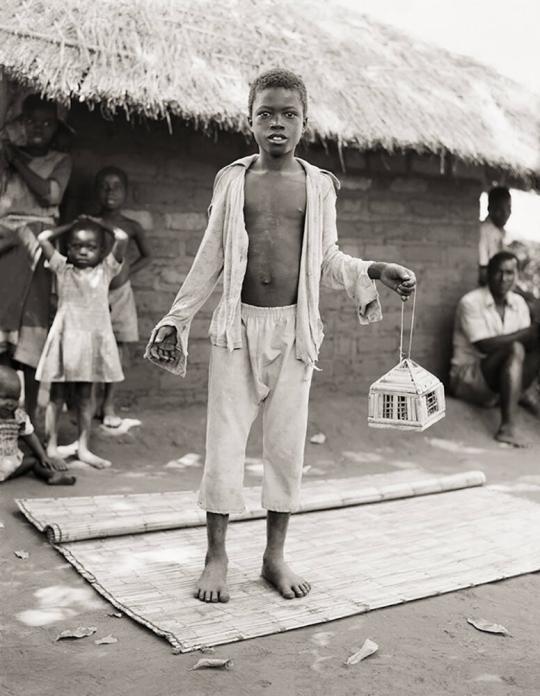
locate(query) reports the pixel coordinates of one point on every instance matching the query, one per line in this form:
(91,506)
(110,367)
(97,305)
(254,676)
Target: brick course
(389,208)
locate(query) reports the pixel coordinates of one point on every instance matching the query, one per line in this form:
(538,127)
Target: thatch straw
(370,86)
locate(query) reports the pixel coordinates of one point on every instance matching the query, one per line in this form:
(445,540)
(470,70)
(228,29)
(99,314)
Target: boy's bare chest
(274,212)
(272,204)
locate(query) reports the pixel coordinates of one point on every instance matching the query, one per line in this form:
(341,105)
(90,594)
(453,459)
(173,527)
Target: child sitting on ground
(15,424)
(80,349)
(272,237)
(111,189)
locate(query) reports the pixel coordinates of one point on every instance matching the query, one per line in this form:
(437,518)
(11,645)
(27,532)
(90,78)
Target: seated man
(496,348)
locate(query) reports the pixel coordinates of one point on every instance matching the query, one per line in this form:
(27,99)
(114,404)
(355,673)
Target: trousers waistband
(275,312)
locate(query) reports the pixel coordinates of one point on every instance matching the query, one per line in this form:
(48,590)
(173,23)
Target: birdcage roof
(408,377)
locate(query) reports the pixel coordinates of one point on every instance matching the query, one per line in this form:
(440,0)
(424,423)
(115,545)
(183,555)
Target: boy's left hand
(400,279)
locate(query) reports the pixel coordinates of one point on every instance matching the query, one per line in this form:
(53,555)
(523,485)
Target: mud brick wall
(396,208)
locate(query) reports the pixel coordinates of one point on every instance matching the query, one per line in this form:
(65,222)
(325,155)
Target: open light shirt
(477,319)
(492,240)
(223,254)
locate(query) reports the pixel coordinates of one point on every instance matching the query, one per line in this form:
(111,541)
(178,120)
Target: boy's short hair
(278,77)
(498,194)
(120,173)
(498,259)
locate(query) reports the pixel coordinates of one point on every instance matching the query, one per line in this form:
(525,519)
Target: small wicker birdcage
(408,397)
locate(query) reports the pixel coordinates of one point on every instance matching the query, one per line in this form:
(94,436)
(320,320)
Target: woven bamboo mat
(357,559)
(76,518)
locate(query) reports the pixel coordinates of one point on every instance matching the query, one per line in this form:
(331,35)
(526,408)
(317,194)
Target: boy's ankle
(273,555)
(219,555)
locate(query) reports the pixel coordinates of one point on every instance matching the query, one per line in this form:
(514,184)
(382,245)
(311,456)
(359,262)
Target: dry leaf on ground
(213,663)
(366,650)
(106,640)
(487,627)
(79,632)
(22,554)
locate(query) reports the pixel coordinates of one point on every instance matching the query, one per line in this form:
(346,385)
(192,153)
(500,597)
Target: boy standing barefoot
(272,236)
(111,189)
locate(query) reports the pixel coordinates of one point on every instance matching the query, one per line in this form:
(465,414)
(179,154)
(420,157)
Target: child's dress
(11,429)
(80,346)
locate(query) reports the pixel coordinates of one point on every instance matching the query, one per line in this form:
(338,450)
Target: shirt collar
(509,300)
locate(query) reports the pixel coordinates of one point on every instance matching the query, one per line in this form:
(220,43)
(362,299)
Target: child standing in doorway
(272,237)
(80,348)
(111,185)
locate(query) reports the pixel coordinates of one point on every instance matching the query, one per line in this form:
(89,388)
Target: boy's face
(111,191)
(277,120)
(41,125)
(500,211)
(84,248)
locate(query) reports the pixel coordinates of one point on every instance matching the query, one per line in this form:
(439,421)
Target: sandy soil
(426,648)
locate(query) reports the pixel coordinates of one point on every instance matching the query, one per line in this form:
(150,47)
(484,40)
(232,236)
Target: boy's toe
(224,596)
(214,596)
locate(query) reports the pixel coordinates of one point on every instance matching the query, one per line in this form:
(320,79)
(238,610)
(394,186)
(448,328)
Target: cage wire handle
(401,354)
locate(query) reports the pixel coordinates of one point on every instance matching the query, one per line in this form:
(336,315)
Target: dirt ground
(426,648)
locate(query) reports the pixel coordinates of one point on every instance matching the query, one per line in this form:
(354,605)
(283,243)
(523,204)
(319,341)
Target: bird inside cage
(408,397)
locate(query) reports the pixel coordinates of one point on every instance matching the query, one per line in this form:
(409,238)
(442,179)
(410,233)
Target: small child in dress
(80,349)
(15,424)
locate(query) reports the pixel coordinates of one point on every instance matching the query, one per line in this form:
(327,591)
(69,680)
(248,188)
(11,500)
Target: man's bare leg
(503,372)
(84,397)
(212,585)
(274,569)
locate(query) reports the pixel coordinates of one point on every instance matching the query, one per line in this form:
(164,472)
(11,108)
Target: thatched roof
(370,85)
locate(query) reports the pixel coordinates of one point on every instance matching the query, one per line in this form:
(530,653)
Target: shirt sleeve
(343,272)
(112,266)
(57,263)
(24,422)
(205,272)
(524,313)
(472,320)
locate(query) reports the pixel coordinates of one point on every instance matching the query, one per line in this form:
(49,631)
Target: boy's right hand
(164,344)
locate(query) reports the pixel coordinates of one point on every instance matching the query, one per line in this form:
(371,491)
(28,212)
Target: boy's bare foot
(287,583)
(110,418)
(508,436)
(53,478)
(112,421)
(84,455)
(212,585)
